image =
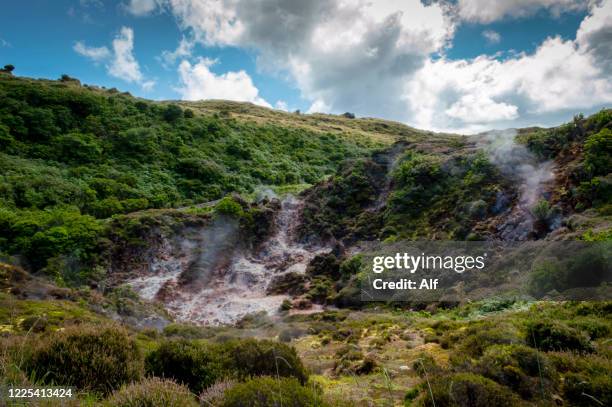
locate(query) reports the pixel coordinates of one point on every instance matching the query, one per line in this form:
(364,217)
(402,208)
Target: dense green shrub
(100,359)
(598,153)
(152,392)
(585,390)
(250,357)
(551,336)
(188,362)
(229,206)
(42,235)
(479,336)
(467,389)
(271,392)
(518,367)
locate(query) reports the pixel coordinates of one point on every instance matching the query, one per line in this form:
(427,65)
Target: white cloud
(199,82)
(595,35)
(491,36)
(447,95)
(147,86)
(319,106)
(481,109)
(121,62)
(281,105)
(487,11)
(124,65)
(184,50)
(214,22)
(374,58)
(142,7)
(96,54)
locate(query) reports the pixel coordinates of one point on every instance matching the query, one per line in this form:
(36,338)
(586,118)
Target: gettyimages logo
(412,264)
(428,271)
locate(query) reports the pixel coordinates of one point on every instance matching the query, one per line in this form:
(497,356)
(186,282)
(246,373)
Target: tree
(8,68)
(172,113)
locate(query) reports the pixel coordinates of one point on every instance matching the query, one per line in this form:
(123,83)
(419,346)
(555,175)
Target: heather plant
(270,391)
(187,362)
(93,358)
(152,392)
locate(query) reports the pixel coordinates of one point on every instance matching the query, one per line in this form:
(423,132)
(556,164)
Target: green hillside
(95,183)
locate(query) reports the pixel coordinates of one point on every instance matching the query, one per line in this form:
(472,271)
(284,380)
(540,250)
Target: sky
(444,65)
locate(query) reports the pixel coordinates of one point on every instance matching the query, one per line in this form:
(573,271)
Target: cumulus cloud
(595,35)
(560,75)
(473,108)
(342,55)
(121,62)
(487,11)
(142,7)
(124,65)
(199,82)
(96,54)
(184,50)
(319,106)
(386,58)
(491,36)
(281,105)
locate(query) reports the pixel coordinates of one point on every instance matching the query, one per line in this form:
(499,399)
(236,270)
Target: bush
(172,113)
(580,390)
(229,206)
(598,153)
(467,389)
(99,359)
(213,395)
(153,392)
(542,211)
(554,336)
(268,391)
(519,367)
(188,362)
(250,357)
(479,336)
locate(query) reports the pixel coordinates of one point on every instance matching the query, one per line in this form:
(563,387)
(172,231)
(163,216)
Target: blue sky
(465,65)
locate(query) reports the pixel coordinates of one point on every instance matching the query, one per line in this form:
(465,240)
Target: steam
(263,192)
(517,162)
(204,277)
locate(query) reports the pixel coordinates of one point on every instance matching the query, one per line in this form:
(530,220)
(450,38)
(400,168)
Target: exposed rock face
(217,272)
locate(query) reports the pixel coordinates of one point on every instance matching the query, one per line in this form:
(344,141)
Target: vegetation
(267,391)
(153,392)
(87,357)
(92,180)
(71,155)
(199,365)
(189,363)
